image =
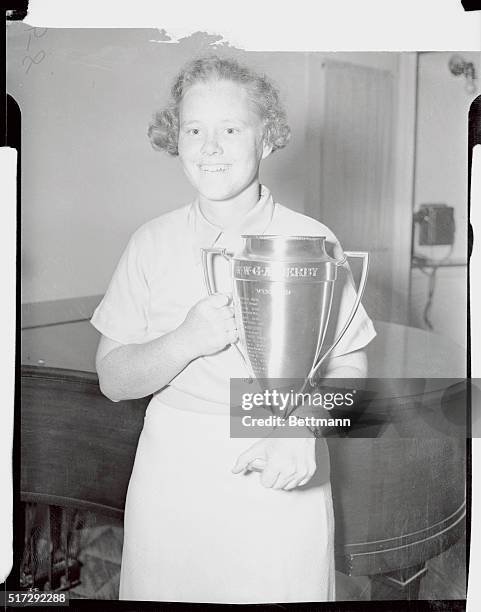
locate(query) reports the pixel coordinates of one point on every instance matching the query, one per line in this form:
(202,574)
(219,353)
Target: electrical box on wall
(436,224)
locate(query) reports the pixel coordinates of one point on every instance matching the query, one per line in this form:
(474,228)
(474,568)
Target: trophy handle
(362,284)
(207,261)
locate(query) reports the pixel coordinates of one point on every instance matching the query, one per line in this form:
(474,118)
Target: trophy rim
(283,237)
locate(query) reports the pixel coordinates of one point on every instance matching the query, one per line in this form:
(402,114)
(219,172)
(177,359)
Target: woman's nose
(212,145)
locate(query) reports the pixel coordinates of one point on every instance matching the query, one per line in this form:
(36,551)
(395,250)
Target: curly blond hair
(164,128)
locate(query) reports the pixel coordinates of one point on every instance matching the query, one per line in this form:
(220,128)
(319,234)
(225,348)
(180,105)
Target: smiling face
(221,141)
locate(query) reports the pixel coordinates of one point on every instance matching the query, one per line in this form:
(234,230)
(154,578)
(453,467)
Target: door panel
(358,169)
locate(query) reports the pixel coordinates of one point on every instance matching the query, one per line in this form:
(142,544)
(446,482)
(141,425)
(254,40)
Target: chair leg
(52,567)
(28,569)
(53,519)
(71,575)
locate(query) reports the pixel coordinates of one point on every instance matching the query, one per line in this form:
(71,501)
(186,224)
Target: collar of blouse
(205,234)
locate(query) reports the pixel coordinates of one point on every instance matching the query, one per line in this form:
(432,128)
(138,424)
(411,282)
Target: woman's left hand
(289,462)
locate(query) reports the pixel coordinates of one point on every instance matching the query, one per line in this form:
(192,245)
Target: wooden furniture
(77,453)
(399,501)
(397,504)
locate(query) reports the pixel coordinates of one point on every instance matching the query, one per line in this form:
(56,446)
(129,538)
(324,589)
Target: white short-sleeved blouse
(159,278)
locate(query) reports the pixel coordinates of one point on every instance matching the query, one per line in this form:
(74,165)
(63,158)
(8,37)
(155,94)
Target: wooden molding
(57,312)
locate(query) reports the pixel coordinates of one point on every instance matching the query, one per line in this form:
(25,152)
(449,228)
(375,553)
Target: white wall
(442,142)
(441,171)
(448,313)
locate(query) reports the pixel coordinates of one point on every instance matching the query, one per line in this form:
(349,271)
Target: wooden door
(365,182)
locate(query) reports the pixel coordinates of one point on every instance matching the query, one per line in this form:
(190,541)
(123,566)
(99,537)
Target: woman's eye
(194,131)
(232,130)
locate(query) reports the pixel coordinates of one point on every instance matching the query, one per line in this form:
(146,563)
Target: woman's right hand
(210,325)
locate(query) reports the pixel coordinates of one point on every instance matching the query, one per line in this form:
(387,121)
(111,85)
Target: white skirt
(196,532)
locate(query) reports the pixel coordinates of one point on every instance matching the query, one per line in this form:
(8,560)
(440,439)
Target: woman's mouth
(214,167)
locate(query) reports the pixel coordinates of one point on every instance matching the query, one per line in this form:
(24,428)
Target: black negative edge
(471,5)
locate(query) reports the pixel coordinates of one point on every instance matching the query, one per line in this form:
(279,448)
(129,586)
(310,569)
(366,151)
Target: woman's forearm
(137,370)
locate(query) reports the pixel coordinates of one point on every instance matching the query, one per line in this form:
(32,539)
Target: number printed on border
(33,598)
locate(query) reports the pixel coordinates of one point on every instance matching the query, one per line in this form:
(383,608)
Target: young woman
(200,526)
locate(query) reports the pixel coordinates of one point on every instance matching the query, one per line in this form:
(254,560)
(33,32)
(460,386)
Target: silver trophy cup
(282,288)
